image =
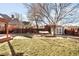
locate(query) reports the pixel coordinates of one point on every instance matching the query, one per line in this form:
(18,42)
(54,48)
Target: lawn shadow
(13,53)
(25,35)
(2,55)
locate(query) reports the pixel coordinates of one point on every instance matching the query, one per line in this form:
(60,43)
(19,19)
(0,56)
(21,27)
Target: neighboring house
(15,22)
(12,22)
(26,24)
(3,18)
(3,25)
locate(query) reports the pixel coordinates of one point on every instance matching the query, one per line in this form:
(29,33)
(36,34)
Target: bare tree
(59,11)
(34,13)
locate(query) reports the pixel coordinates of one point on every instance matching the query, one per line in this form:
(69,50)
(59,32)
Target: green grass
(42,46)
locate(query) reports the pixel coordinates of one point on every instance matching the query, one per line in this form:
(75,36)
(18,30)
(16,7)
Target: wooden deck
(4,38)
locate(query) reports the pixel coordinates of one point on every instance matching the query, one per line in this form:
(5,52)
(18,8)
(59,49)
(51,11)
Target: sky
(10,8)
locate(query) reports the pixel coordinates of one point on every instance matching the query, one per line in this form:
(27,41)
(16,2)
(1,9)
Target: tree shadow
(2,55)
(13,53)
(25,35)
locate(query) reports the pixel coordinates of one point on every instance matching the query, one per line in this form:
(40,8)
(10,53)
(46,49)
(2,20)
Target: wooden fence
(72,31)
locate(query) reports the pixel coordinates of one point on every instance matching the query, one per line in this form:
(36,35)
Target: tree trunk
(54,28)
(53,32)
(11,49)
(37,26)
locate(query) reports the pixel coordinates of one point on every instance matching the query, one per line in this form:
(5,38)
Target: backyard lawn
(41,46)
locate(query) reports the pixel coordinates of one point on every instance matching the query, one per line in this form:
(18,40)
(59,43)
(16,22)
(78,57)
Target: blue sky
(10,8)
